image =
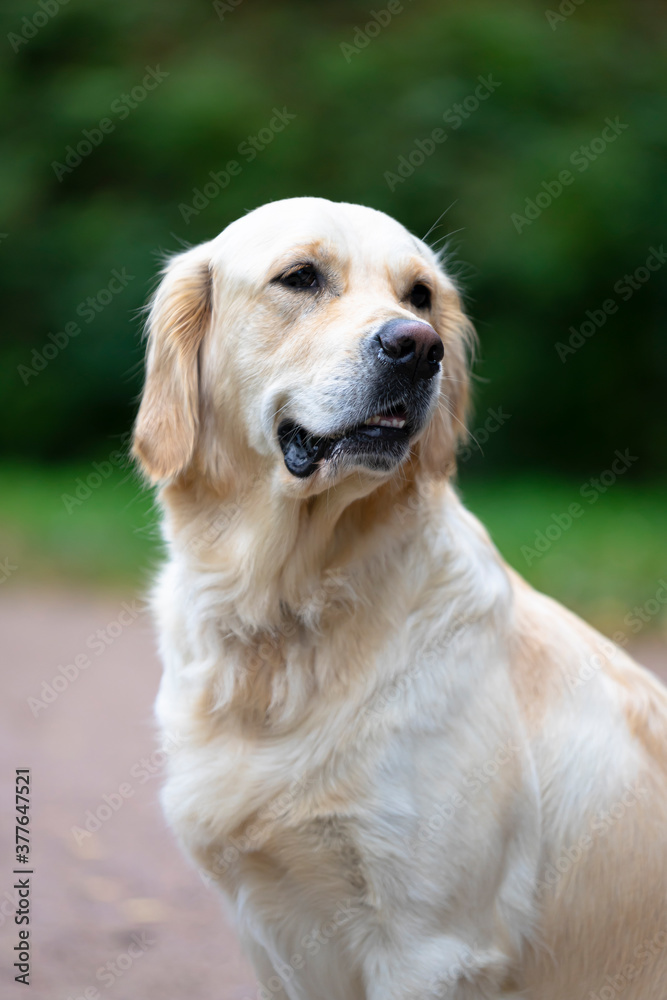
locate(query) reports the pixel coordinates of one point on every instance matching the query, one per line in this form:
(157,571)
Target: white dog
(412,776)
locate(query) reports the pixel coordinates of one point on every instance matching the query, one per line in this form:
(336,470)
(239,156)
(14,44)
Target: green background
(358,111)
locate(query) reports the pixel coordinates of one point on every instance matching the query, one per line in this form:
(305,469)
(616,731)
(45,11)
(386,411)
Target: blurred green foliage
(357,112)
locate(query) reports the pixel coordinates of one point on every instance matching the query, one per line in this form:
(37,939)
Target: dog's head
(314,338)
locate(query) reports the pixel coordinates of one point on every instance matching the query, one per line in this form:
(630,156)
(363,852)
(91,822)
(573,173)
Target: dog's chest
(344,840)
(329,852)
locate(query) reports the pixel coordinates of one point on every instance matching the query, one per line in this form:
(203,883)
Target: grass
(105,536)
(605,563)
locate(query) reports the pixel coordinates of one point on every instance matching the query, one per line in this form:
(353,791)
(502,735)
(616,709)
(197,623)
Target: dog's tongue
(301,450)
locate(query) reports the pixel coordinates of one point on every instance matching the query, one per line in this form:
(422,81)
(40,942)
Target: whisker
(470,434)
(441,239)
(437,221)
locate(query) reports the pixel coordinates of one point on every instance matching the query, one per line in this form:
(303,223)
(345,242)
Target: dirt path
(126,885)
(94,894)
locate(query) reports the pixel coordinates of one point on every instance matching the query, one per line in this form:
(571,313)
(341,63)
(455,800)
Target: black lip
(304,451)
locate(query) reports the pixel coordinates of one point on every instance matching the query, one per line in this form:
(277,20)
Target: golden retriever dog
(411,775)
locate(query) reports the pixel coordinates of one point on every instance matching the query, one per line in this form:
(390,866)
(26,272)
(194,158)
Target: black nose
(412,346)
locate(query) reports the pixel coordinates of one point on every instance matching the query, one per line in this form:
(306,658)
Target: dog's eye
(304,276)
(420,297)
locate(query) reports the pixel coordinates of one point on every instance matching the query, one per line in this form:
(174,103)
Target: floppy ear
(447,428)
(180,314)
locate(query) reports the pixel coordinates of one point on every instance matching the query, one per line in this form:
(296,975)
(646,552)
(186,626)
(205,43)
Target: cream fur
(386,749)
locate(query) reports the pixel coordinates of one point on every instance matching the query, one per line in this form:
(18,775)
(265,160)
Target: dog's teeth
(380,421)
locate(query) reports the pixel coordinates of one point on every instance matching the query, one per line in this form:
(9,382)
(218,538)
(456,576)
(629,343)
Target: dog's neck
(299,596)
(271,557)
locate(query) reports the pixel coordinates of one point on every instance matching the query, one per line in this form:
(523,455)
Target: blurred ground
(128,879)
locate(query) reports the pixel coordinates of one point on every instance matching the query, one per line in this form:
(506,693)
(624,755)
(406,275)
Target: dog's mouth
(378,442)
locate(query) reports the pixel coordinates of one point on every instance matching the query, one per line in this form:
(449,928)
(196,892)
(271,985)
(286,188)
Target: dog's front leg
(301,976)
(269,983)
(445,968)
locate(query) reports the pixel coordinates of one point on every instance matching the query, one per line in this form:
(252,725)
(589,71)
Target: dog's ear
(447,429)
(180,314)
